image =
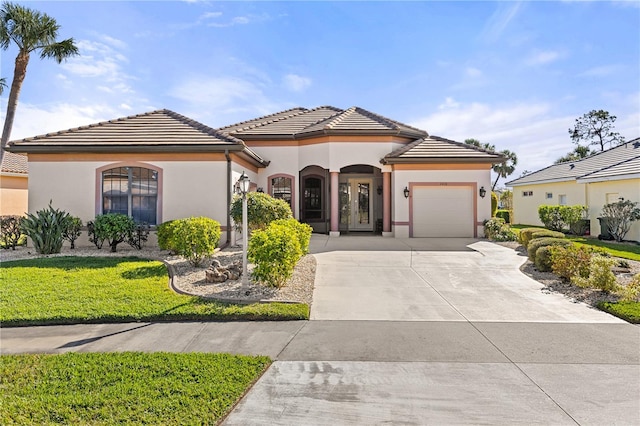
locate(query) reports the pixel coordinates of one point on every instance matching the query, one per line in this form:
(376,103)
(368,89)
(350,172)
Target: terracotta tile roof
(599,162)
(301,123)
(149,131)
(14,163)
(437,149)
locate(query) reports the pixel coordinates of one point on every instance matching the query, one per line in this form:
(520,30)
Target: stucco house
(14,179)
(340,170)
(600,179)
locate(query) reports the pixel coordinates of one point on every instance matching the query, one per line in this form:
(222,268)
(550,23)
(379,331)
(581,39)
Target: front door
(356,204)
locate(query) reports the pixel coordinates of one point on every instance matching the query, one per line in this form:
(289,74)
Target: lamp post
(243,186)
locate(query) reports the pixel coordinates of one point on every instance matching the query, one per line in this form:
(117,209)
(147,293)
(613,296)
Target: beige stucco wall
(403,178)
(525,209)
(14,194)
(628,189)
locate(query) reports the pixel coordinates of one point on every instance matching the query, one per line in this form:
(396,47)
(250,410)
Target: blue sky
(514,74)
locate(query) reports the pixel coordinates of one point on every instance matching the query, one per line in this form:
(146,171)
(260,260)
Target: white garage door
(443,211)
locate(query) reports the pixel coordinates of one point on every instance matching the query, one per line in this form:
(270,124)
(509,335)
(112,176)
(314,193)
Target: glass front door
(356,205)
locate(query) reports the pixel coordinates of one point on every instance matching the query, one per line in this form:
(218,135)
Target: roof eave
(440,160)
(609,178)
(540,182)
(64,149)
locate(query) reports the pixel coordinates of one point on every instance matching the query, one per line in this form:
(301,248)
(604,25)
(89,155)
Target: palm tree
(3,84)
(505,169)
(31,31)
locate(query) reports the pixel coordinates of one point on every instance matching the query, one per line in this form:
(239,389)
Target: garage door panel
(443,212)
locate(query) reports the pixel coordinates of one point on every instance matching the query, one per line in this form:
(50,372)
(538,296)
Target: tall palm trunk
(19,73)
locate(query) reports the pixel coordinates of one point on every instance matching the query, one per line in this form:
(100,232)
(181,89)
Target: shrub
(525,235)
(195,238)
(619,217)
(114,228)
(494,204)
(600,275)
(534,245)
(576,218)
(45,228)
(505,215)
(302,230)
(571,261)
(73,230)
(543,259)
(262,209)
(91,233)
(544,233)
(551,217)
(165,233)
(497,230)
(631,291)
(138,237)
(275,252)
(10,232)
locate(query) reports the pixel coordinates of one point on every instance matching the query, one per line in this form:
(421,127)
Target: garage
(443,211)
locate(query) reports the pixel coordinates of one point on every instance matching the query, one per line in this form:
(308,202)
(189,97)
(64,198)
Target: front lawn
(66,290)
(124,388)
(628,311)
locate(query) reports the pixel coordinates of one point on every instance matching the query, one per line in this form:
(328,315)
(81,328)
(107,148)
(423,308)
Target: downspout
(228,157)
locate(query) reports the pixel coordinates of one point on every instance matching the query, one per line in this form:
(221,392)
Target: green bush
(600,275)
(543,259)
(494,204)
(534,245)
(505,215)
(497,230)
(631,291)
(544,233)
(73,230)
(525,235)
(262,209)
(165,233)
(275,252)
(302,230)
(46,228)
(571,261)
(576,218)
(552,217)
(10,231)
(139,236)
(114,228)
(620,216)
(195,238)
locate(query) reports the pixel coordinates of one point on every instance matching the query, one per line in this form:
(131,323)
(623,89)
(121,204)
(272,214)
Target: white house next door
(357,204)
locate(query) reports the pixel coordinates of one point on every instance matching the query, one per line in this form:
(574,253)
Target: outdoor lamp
(483,192)
(243,186)
(379,190)
(406,192)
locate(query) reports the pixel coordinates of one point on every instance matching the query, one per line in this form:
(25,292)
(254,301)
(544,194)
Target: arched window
(132,191)
(281,187)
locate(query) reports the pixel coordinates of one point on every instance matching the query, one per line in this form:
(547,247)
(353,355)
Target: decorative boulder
(216,273)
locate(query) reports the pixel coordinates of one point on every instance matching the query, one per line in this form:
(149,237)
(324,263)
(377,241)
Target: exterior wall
(14,195)
(627,189)
(525,209)
(188,188)
(405,178)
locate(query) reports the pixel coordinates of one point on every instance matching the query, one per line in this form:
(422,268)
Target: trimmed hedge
(275,251)
(195,238)
(534,245)
(262,209)
(504,215)
(543,258)
(544,233)
(303,232)
(165,233)
(494,204)
(525,235)
(572,261)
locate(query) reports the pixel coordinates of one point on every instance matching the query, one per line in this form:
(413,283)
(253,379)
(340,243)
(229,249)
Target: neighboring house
(340,170)
(597,180)
(14,178)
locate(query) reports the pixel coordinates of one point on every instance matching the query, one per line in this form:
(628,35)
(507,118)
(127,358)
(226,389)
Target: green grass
(123,388)
(628,311)
(71,290)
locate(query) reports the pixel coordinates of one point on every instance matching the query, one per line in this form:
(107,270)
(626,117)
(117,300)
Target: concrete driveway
(436,279)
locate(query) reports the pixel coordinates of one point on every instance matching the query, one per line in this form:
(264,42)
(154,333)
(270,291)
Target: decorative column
(386,204)
(335,205)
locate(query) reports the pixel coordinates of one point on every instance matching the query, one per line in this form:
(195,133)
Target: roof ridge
(200,126)
(406,148)
(386,120)
(261,122)
(610,166)
(466,145)
(334,120)
(315,123)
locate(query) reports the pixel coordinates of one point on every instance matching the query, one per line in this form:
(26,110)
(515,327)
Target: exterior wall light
(243,185)
(406,192)
(483,192)
(379,190)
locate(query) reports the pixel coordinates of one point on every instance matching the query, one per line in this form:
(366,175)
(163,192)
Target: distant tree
(477,143)
(505,169)
(578,153)
(31,31)
(596,128)
(524,173)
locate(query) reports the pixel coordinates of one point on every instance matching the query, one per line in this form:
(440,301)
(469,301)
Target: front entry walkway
(432,279)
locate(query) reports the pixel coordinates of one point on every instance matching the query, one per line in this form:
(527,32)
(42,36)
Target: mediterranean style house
(340,170)
(600,179)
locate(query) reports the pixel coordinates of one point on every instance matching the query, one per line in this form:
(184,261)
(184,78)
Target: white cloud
(449,103)
(542,57)
(239,20)
(500,20)
(601,71)
(473,72)
(296,83)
